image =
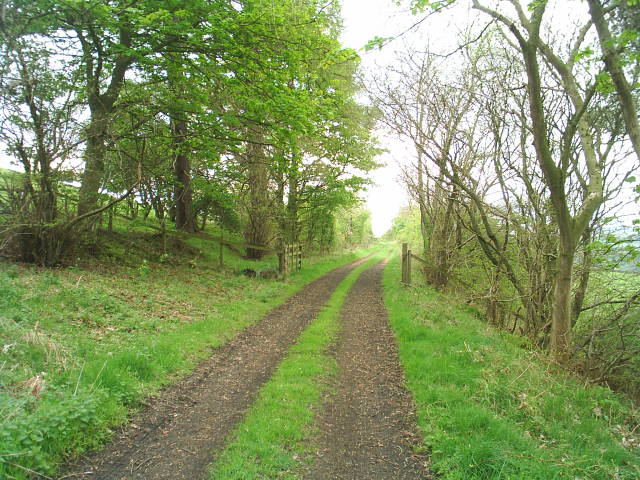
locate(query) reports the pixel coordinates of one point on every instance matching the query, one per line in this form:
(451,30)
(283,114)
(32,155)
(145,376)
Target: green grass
(102,335)
(270,442)
(488,409)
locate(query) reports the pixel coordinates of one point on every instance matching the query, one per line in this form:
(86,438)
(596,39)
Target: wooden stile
(289,258)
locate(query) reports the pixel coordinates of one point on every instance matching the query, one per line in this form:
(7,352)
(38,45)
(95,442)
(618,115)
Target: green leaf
(377,42)
(584,53)
(604,84)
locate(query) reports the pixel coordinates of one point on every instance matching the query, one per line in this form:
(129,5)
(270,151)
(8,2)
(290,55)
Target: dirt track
(174,437)
(367,427)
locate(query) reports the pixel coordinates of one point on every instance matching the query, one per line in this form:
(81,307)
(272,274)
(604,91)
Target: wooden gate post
(282,260)
(221,253)
(405,249)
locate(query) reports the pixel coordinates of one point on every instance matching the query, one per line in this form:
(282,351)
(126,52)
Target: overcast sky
(367,19)
(364,20)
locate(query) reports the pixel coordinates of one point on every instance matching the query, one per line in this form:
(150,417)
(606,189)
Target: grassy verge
(489,409)
(269,443)
(81,346)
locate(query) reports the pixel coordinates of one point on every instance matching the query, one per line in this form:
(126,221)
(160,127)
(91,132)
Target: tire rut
(367,427)
(176,435)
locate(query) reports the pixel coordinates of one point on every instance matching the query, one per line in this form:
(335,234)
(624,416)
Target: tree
(304,125)
(614,66)
(418,106)
(574,153)
(195,104)
(114,37)
(572,217)
(37,127)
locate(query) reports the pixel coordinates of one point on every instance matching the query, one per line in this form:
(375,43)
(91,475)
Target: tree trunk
(257,232)
(101,106)
(560,339)
(424,216)
(613,64)
(292,206)
(585,273)
(183,194)
(94,158)
(442,245)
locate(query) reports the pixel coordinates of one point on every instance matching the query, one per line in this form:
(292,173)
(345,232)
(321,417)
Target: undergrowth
(81,346)
(490,409)
(270,442)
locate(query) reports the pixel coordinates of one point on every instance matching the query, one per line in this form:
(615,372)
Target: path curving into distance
(366,426)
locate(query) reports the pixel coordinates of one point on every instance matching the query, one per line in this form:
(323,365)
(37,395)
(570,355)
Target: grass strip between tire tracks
(489,409)
(270,442)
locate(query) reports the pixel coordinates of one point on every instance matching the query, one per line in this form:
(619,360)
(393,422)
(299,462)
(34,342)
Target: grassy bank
(269,443)
(489,409)
(81,346)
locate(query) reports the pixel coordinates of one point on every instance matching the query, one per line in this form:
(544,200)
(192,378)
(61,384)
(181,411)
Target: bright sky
(364,20)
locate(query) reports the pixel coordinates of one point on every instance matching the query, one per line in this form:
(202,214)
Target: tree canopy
(189,107)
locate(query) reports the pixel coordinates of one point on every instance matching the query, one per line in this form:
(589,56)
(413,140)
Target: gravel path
(367,428)
(176,435)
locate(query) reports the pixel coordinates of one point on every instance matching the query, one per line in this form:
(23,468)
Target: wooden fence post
(405,248)
(408,267)
(283,261)
(221,248)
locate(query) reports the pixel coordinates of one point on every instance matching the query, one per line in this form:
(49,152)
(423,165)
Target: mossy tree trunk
(258,226)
